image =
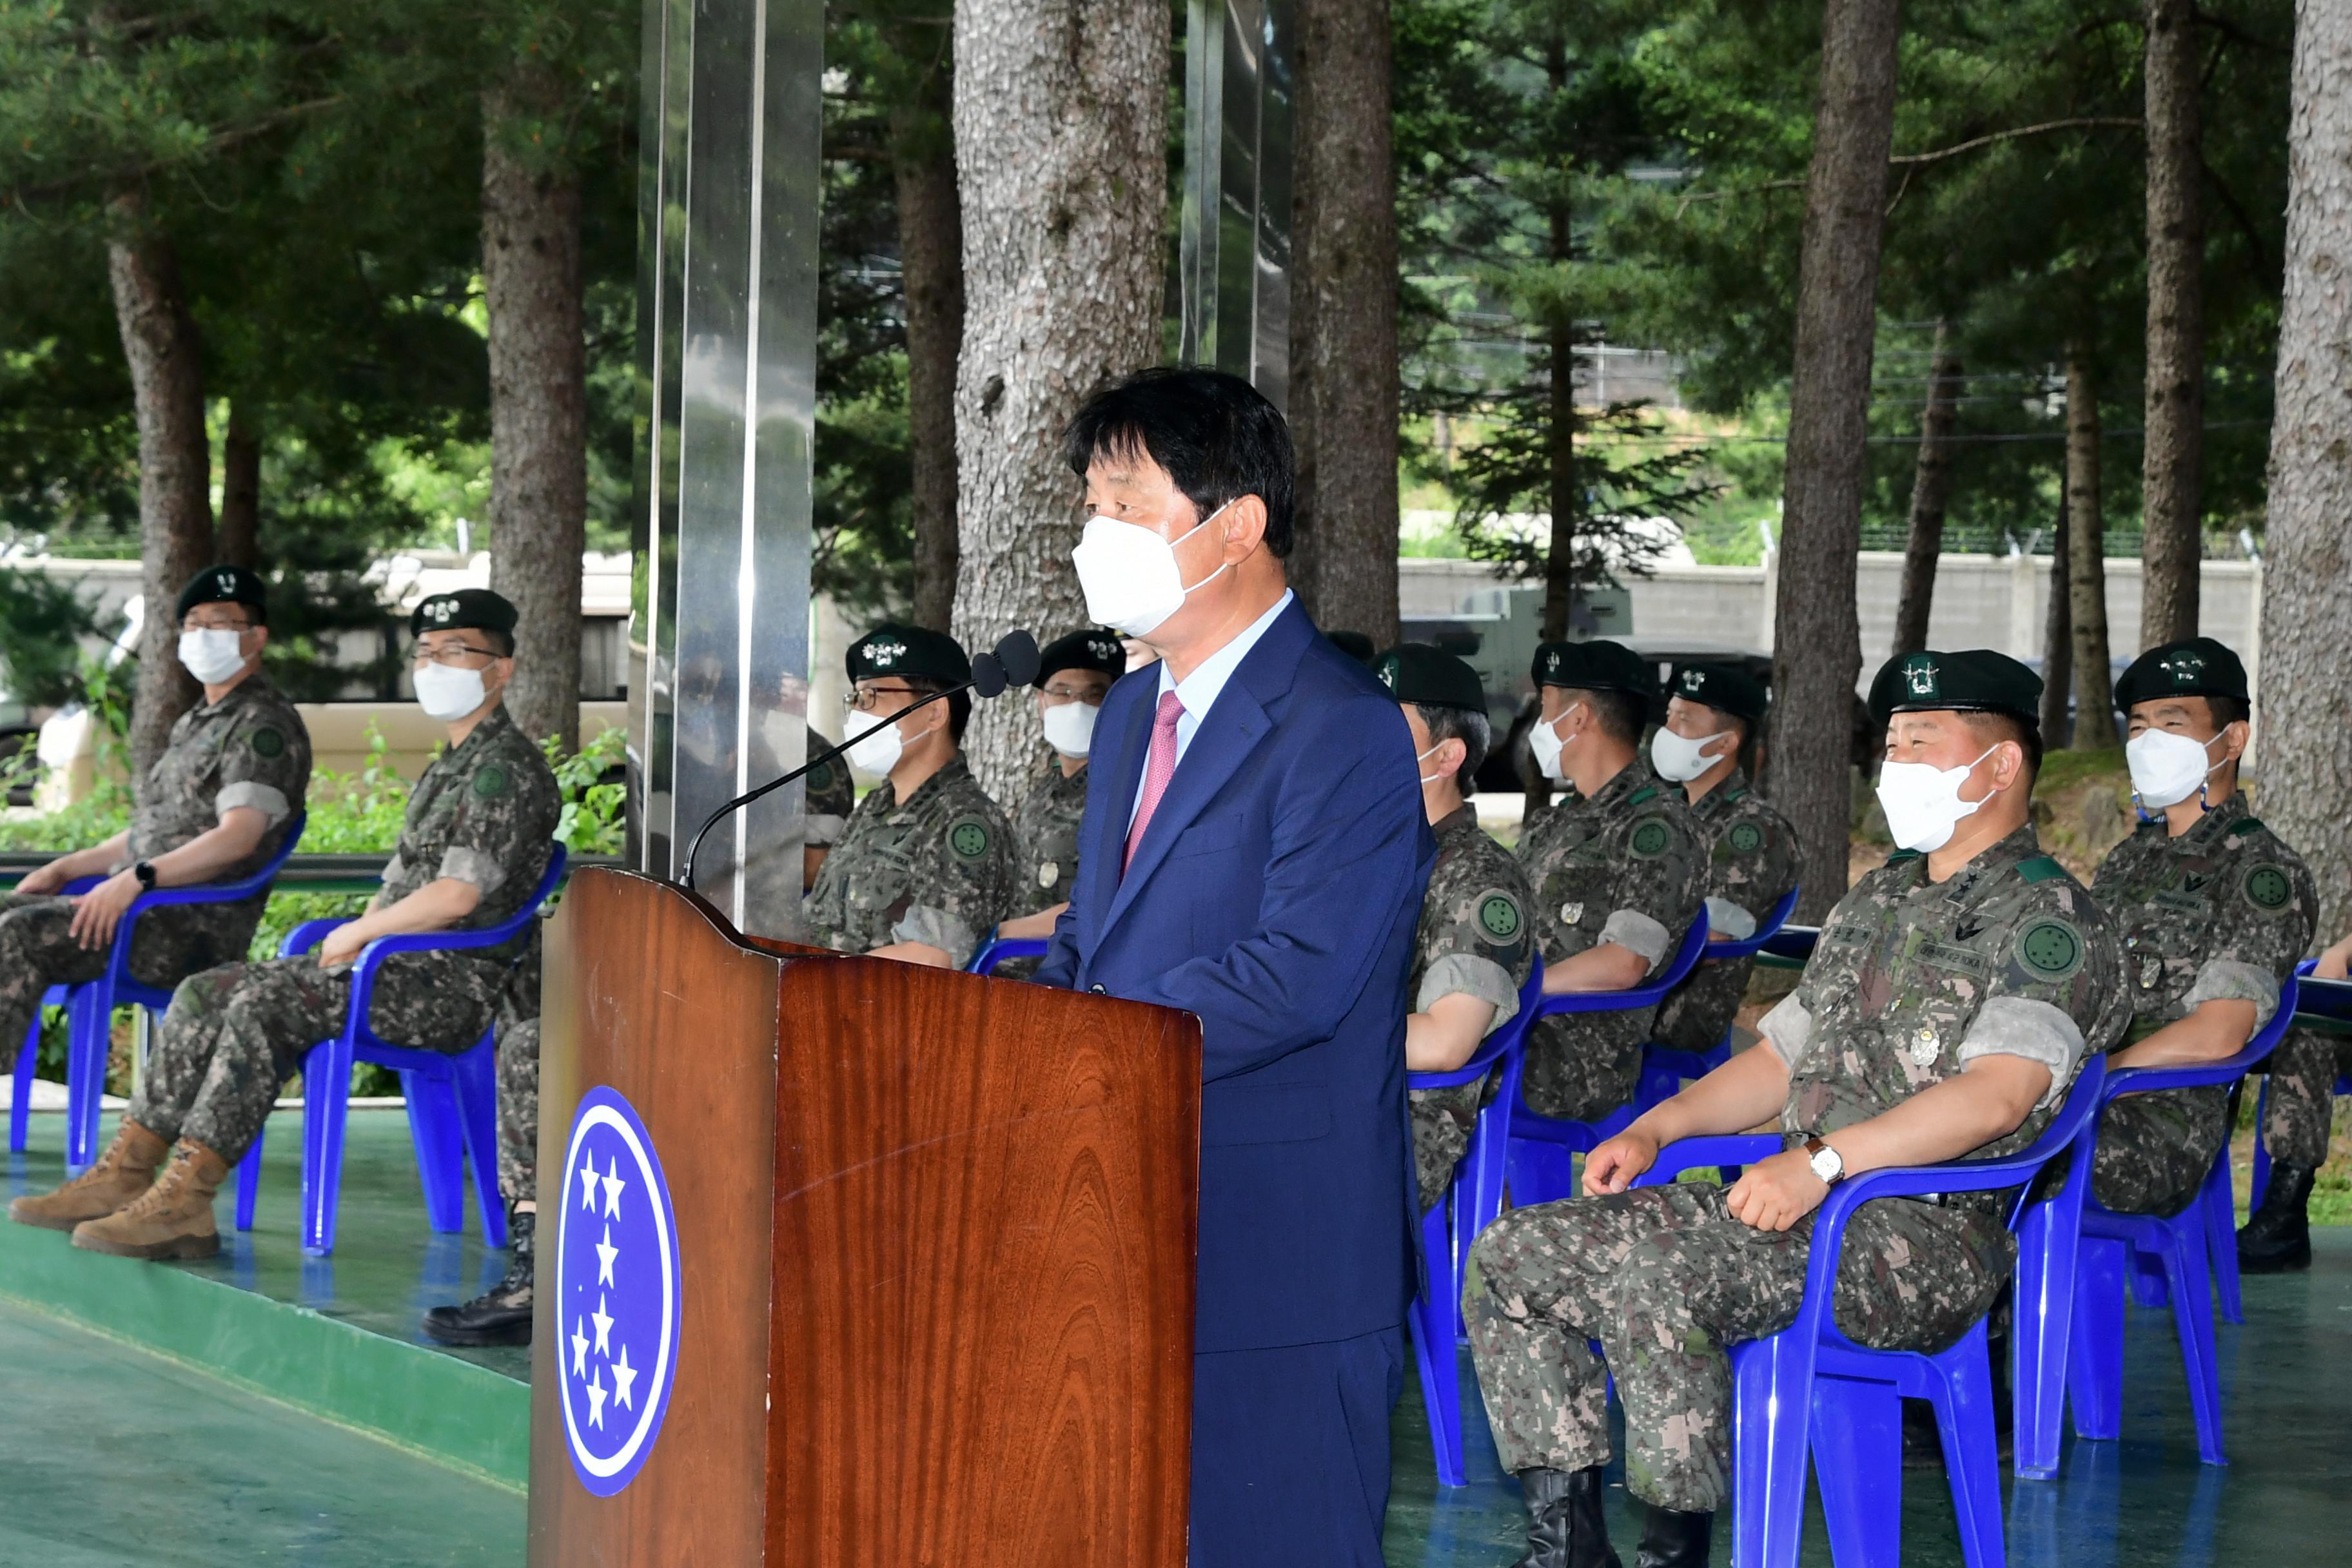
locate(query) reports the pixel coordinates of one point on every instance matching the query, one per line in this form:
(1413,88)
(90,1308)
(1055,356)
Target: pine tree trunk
(931,272)
(2173,453)
(2305,707)
(1559,433)
(2086,566)
(2057,635)
(176,506)
(1816,636)
(539,401)
(1061,155)
(1931,494)
(1343,321)
(238,539)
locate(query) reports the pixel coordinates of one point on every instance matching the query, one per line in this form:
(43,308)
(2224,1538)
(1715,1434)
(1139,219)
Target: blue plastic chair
(998,949)
(453,1104)
(1470,1206)
(1665,1069)
(1808,1387)
(89,1007)
(2175,1260)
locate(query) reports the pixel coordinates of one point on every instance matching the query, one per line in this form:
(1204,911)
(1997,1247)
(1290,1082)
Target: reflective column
(1240,93)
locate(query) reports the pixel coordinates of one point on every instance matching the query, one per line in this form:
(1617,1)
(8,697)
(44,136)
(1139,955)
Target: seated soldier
(1618,872)
(1712,719)
(501,1315)
(2215,912)
(1944,1015)
(2296,1116)
(1074,675)
(925,868)
(1476,944)
(479,827)
(214,808)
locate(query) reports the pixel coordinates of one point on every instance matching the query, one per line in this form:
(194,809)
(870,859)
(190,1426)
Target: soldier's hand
(100,910)
(1612,1167)
(1775,1193)
(46,880)
(2334,964)
(340,945)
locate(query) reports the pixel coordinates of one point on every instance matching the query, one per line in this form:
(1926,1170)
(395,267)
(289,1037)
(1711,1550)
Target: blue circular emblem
(617,1292)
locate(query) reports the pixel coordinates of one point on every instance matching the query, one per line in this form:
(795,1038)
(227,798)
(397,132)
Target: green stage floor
(263,1407)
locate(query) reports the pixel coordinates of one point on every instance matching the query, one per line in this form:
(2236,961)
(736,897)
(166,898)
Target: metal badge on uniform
(1570,913)
(1048,873)
(1925,1047)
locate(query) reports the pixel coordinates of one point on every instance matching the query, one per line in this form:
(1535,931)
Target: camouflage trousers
(1666,1280)
(2155,1150)
(1442,1121)
(519,1110)
(233,1035)
(1580,1069)
(167,945)
(2301,1097)
(1699,1013)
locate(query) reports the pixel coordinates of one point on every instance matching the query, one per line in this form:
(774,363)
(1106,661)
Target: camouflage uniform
(249,749)
(831,795)
(1751,865)
(1047,831)
(2221,912)
(518,1029)
(1475,939)
(484,813)
(1912,980)
(2302,1099)
(936,868)
(1623,867)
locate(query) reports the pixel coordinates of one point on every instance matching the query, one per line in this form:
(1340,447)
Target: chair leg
(2049,1245)
(1772,1381)
(2150,1284)
(1857,1432)
(2261,1173)
(2192,1319)
(326,1091)
(1964,1398)
(433,1130)
(86,1019)
(20,1098)
(2216,1209)
(2094,1356)
(248,1181)
(474,1076)
(1433,1316)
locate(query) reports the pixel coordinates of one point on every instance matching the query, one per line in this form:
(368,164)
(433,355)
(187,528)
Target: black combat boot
(502,1316)
(1565,1528)
(2277,1236)
(1673,1539)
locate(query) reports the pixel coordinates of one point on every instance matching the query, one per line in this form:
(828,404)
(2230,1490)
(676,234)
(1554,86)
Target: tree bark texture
(2305,761)
(2086,566)
(1343,318)
(238,538)
(1931,495)
(1061,157)
(1559,555)
(539,402)
(1817,638)
(175,504)
(931,272)
(2172,457)
(2057,636)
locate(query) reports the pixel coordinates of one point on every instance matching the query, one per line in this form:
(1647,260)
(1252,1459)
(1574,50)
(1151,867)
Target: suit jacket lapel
(1106,832)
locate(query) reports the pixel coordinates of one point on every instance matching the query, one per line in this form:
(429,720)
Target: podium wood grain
(938,1235)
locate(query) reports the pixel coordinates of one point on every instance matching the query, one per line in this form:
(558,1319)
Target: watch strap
(145,871)
(1815,1149)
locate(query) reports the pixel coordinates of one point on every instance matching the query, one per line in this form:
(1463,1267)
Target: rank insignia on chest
(1924,1046)
(1570,913)
(1048,873)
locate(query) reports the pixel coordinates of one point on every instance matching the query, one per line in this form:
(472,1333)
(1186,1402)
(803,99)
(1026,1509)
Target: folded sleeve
(1732,919)
(1637,932)
(1787,1031)
(2022,1026)
(1468,974)
(935,927)
(2234,980)
(254,796)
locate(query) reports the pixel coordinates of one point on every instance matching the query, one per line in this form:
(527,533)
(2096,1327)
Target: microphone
(1012,662)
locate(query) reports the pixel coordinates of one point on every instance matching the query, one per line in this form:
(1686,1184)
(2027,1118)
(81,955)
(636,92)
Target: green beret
(1725,688)
(475,609)
(913,652)
(1974,678)
(1094,649)
(225,586)
(2199,667)
(1417,673)
(1355,645)
(1595,666)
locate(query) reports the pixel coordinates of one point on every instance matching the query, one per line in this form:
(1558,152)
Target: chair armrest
(2230,1069)
(998,949)
(1695,1153)
(1792,942)
(309,934)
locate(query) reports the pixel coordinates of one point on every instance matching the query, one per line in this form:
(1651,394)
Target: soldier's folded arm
(436,906)
(1464,997)
(1633,942)
(96,861)
(232,839)
(1729,921)
(1744,1092)
(926,935)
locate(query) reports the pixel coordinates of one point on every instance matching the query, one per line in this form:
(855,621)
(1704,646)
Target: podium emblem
(617,1293)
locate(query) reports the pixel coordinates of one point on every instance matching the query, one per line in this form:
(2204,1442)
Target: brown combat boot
(173,1218)
(124,1172)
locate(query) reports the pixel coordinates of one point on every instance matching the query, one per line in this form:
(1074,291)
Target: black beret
(225,586)
(1093,649)
(1427,677)
(1725,688)
(915,651)
(1355,645)
(476,609)
(1595,666)
(1973,680)
(2199,667)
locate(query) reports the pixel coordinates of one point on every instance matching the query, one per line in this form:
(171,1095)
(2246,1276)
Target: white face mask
(212,656)
(1432,778)
(1923,802)
(2168,768)
(1544,742)
(1676,757)
(447,693)
(1070,728)
(1131,575)
(877,750)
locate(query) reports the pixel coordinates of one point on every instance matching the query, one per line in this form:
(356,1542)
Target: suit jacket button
(1098,990)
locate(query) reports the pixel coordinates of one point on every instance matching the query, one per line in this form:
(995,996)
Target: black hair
(502,641)
(1472,728)
(1216,435)
(2227,710)
(1990,723)
(1621,715)
(958,704)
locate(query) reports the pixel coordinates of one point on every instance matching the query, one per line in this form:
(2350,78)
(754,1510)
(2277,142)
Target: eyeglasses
(214,624)
(873,696)
(1086,694)
(452,656)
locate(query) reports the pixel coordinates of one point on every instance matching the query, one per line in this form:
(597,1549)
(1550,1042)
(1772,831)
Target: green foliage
(40,618)
(595,794)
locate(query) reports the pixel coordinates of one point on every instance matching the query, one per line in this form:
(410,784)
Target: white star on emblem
(605,1253)
(612,1185)
(603,1321)
(596,1402)
(579,1349)
(625,1377)
(588,1183)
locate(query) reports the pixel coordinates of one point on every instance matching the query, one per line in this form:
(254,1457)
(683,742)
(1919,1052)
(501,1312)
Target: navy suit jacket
(1275,895)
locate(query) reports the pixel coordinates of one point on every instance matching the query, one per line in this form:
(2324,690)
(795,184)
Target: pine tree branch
(1913,160)
(219,141)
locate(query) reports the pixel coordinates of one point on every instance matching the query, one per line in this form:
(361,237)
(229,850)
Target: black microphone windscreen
(1017,652)
(987,676)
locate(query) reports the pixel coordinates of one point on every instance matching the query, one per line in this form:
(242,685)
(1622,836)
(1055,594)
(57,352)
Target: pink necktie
(1157,771)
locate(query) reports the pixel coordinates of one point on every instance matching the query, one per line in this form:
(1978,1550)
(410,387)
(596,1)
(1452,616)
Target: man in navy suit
(1254,852)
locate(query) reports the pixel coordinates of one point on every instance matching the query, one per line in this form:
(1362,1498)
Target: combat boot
(125,1171)
(2277,1236)
(1564,1527)
(173,1218)
(1673,1539)
(501,1316)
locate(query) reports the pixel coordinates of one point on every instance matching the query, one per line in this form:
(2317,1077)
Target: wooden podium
(936,1235)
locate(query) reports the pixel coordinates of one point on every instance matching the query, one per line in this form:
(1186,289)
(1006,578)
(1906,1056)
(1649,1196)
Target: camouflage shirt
(937,868)
(1751,865)
(249,749)
(484,812)
(831,796)
(1047,829)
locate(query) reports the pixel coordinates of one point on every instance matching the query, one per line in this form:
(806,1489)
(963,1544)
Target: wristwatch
(1826,1162)
(145,872)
